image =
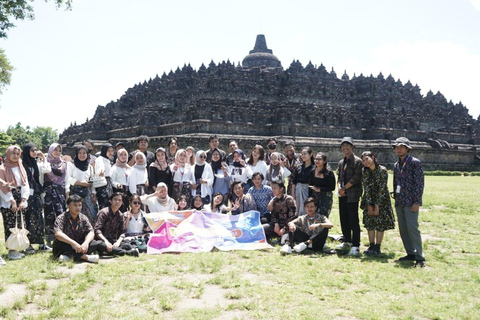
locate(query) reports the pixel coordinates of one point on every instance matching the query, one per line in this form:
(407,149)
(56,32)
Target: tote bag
(18,240)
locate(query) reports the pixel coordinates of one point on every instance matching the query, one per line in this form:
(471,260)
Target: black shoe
(30,250)
(370,249)
(44,248)
(420,263)
(408,257)
(133,252)
(376,250)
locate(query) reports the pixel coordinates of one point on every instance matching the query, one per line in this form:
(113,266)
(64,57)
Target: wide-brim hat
(347,140)
(402,141)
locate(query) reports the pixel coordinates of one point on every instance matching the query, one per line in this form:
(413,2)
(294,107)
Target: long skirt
(34,220)
(301,194)
(324,202)
(89,207)
(9,216)
(104,193)
(182,188)
(54,206)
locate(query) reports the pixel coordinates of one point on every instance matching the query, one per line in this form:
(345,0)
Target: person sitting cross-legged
(74,234)
(109,229)
(308,230)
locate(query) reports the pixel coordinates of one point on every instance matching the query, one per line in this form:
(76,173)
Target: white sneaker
(14,255)
(2,262)
(63,258)
(286,249)
(284,238)
(93,258)
(344,246)
(355,251)
(300,247)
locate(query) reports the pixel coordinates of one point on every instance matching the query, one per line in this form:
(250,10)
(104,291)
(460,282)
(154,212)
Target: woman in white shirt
(80,178)
(138,178)
(14,193)
(159,201)
(182,176)
(203,174)
(119,174)
(102,180)
(256,163)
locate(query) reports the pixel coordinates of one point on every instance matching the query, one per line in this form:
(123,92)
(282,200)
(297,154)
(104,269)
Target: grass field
(265,285)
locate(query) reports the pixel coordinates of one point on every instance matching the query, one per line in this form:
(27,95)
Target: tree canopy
(42,137)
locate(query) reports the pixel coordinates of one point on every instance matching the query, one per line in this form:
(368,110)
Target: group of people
(95,202)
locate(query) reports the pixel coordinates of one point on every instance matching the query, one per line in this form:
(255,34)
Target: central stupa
(261,56)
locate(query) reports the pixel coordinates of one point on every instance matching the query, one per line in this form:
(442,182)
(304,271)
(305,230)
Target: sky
(69,62)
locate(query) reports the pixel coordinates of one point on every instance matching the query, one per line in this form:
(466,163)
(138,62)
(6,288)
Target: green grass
(265,285)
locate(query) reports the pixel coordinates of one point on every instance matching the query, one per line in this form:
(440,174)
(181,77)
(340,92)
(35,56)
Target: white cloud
(475,4)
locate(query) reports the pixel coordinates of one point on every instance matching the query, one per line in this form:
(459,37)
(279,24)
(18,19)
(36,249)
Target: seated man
(283,210)
(74,234)
(243,202)
(109,229)
(308,230)
(262,195)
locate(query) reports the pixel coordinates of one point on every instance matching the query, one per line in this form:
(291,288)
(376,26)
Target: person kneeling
(74,234)
(109,229)
(310,230)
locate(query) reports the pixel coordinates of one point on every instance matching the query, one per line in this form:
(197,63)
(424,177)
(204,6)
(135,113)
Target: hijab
(237,164)
(140,167)
(119,163)
(197,158)
(57,164)
(104,150)
(274,170)
(163,201)
(6,173)
(177,157)
(30,163)
(156,163)
(81,165)
(216,165)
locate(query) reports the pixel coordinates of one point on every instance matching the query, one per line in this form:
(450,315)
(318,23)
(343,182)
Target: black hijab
(82,165)
(30,163)
(216,165)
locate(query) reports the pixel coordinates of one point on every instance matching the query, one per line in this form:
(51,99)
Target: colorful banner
(196,231)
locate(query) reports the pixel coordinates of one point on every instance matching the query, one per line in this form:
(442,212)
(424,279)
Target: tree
(5,71)
(5,142)
(42,137)
(20,10)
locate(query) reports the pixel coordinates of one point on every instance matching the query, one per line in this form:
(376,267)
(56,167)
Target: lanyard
(408,159)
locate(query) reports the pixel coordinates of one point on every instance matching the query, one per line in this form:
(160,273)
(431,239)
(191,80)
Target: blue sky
(69,62)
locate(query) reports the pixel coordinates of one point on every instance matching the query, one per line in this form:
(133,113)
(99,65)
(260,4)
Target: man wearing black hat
(408,184)
(349,190)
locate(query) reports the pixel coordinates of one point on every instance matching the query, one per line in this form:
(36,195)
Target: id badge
(398,189)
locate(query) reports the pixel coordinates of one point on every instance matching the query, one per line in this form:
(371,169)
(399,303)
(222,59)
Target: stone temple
(305,104)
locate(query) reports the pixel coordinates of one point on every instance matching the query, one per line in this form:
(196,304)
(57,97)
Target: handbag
(18,240)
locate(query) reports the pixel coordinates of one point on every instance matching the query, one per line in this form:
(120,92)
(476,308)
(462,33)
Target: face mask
(272,146)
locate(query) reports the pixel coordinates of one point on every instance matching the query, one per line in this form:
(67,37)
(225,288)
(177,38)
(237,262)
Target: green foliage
(5,141)
(5,70)
(451,173)
(40,136)
(20,10)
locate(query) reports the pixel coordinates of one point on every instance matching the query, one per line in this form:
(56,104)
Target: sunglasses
(136,202)
(318,159)
(202,157)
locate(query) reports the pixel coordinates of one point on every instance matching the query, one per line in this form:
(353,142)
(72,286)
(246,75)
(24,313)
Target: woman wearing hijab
(14,193)
(119,174)
(138,178)
(102,181)
(80,181)
(159,201)
(34,214)
(182,176)
(276,171)
(54,187)
(159,170)
(220,173)
(203,175)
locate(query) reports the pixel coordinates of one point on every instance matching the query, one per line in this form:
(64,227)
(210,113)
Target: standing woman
(203,177)
(102,181)
(182,176)
(301,179)
(120,172)
(34,214)
(80,183)
(238,169)
(54,187)
(14,193)
(138,178)
(159,171)
(376,204)
(276,171)
(256,161)
(322,184)
(220,173)
(172,150)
